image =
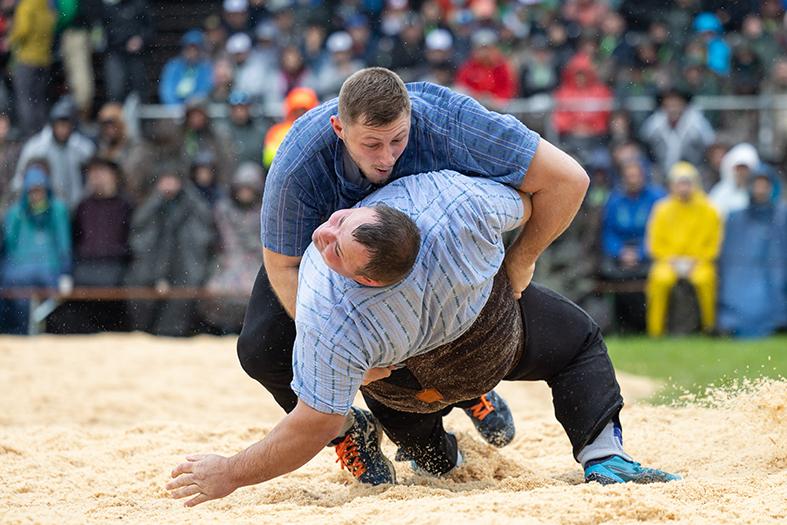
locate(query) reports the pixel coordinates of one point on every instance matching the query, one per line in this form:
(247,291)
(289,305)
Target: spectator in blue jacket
(623,240)
(37,244)
(717,52)
(188,75)
(625,221)
(753,263)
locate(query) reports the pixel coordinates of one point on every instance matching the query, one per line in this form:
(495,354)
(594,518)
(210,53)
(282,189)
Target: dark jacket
(124,20)
(172,240)
(101,229)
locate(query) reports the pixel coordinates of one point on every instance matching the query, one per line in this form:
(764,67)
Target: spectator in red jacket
(583,102)
(487,75)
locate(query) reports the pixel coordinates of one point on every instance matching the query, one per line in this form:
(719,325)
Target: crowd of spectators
(678,195)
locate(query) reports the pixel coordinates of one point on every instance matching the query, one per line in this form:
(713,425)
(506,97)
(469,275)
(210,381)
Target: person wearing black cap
(188,75)
(64,147)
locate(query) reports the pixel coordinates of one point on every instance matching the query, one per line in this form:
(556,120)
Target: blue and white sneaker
(493,420)
(615,469)
(360,453)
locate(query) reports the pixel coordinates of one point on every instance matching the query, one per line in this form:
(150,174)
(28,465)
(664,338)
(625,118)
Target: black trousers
(563,346)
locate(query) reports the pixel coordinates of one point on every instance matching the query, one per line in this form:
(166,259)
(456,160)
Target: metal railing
(539,108)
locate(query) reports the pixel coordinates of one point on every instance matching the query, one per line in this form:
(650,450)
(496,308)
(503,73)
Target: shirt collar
(349,175)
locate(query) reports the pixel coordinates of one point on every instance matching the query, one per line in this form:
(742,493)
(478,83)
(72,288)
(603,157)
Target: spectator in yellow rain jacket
(298,102)
(684,237)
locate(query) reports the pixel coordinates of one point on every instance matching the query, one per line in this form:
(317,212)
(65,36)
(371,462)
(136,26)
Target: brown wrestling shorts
(463,369)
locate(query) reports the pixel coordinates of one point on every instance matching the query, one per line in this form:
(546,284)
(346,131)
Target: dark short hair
(375,96)
(99,161)
(393,242)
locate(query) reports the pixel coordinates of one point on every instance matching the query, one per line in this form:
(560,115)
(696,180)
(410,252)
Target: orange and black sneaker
(493,420)
(360,453)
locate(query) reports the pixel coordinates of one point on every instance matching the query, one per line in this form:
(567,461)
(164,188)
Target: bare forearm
(284,282)
(557,184)
(552,212)
(290,445)
(282,273)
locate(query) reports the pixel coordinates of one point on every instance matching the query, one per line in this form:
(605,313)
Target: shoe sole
(645,479)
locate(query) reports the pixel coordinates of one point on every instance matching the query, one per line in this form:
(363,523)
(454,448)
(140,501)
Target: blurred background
(135,137)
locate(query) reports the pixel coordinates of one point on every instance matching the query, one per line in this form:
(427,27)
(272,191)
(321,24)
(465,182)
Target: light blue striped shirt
(344,328)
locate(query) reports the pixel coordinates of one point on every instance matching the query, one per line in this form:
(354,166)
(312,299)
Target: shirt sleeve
(498,206)
(328,367)
(287,220)
(488,144)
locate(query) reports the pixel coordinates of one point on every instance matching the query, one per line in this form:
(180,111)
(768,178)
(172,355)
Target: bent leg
(565,348)
(420,437)
(265,342)
(661,279)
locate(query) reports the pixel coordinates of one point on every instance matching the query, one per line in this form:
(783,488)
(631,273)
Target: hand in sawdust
(205,476)
(373,374)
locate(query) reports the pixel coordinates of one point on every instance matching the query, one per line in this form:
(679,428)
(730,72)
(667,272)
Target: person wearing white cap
(250,68)
(236,16)
(440,68)
(339,65)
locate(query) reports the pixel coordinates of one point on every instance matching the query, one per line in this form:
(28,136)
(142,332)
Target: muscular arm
(282,273)
(557,184)
(293,442)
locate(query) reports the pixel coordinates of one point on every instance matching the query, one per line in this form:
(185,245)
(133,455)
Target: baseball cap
(484,37)
(439,40)
(238,98)
(238,43)
(236,6)
(265,31)
(193,38)
(339,42)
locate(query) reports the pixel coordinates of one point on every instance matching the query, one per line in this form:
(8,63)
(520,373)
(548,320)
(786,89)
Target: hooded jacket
(65,161)
(37,242)
(567,118)
(726,195)
(753,269)
(684,229)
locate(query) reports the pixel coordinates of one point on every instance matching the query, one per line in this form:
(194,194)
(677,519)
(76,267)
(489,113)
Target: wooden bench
(44,301)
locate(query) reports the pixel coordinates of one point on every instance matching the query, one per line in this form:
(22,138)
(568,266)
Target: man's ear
(337,126)
(362,279)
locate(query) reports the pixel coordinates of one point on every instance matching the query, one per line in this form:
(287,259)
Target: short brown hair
(375,94)
(393,242)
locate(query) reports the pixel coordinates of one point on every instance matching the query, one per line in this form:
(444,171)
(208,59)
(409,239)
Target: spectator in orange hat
(298,102)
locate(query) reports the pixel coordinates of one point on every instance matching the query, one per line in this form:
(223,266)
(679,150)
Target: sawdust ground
(91,426)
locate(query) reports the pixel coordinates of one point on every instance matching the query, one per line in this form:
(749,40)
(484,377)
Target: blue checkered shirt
(344,328)
(307,182)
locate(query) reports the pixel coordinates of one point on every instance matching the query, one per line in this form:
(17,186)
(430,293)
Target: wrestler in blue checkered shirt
(344,328)
(310,177)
